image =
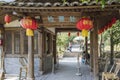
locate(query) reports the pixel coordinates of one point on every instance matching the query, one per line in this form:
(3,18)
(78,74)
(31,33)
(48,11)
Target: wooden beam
(67,29)
(32,9)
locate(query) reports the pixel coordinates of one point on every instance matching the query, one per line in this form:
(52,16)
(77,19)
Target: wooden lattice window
(61,18)
(72,19)
(25,43)
(17,42)
(8,42)
(50,19)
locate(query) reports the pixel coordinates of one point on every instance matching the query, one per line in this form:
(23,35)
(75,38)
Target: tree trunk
(112,48)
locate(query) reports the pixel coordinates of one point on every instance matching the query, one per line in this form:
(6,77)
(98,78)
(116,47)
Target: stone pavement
(66,71)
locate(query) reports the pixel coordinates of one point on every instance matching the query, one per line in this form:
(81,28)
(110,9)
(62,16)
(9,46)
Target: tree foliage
(115,31)
(63,39)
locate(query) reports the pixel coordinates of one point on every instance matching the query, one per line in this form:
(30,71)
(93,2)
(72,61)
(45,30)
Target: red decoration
(28,23)
(109,25)
(69,34)
(78,34)
(7,18)
(84,23)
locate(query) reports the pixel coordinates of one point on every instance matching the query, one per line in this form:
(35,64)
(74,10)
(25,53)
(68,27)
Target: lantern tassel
(29,32)
(84,33)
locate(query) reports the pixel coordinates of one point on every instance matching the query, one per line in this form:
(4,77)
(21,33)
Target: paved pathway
(67,71)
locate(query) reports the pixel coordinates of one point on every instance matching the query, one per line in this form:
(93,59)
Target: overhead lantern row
(27,22)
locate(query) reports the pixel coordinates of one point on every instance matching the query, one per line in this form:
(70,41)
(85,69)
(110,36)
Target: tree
(115,29)
(114,36)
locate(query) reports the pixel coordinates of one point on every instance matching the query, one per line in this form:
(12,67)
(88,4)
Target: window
(61,18)
(72,19)
(14,43)
(17,41)
(50,19)
(25,43)
(8,42)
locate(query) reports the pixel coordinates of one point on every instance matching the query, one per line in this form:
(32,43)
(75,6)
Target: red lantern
(29,24)
(113,20)
(7,18)
(78,34)
(84,24)
(69,34)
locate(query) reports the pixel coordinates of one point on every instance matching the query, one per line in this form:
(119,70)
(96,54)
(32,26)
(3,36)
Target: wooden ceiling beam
(67,30)
(64,9)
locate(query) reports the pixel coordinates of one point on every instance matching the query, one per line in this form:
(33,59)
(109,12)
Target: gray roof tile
(57,4)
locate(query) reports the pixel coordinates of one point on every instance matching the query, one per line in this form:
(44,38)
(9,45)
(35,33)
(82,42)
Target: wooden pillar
(30,75)
(100,46)
(91,50)
(95,52)
(2,68)
(1,47)
(86,45)
(54,49)
(42,49)
(22,43)
(112,48)
(13,44)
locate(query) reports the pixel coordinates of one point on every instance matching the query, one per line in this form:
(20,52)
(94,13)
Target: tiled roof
(57,4)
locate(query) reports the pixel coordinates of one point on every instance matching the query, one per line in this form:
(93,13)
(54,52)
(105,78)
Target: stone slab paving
(66,71)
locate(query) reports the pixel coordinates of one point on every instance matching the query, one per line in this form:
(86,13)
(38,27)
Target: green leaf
(103,3)
(64,1)
(97,1)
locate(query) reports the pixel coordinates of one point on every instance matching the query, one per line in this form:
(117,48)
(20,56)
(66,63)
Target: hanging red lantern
(68,34)
(29,24)
(7,18)
(78,34)
(113,20)
(84,24)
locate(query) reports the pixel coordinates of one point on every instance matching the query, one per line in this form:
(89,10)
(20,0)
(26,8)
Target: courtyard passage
(67,70)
